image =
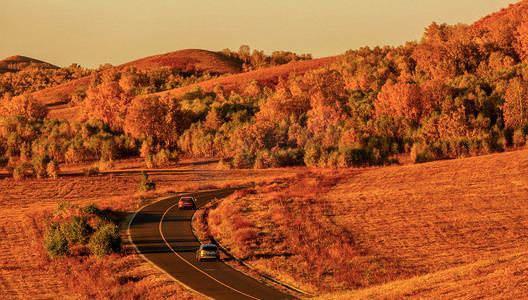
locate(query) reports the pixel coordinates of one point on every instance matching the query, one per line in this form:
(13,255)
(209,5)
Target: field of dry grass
(456,228)
(27,272)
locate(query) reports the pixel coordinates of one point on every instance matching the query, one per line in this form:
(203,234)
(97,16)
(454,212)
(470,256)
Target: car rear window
(210,248)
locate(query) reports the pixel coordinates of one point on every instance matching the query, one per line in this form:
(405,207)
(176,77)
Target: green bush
(40,164)
(355,157)
(105,240)
(244,160)
(289,157)
(56,241)
(77,230)
(22,170)
(145,184)
(52,169)
(312,156)
(91,209)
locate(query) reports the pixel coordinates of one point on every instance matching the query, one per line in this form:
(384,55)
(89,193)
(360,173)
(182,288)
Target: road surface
(163,235)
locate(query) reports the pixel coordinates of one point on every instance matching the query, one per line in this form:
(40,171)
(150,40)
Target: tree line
(460,91)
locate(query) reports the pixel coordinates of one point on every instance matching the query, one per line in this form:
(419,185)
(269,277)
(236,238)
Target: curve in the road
(189,263)
(162,234)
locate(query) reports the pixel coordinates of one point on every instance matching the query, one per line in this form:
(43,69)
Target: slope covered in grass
(265,77)
(18,62)
(442,225)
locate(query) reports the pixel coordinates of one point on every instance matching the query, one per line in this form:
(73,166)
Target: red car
(187,202)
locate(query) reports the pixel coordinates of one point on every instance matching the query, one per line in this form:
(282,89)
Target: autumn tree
(24,105)
(515,107)
(107,102)
(160,118)
(400,100)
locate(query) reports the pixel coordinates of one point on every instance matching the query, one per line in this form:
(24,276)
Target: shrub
(223,165)
(91,172)
(312,156)
(55,241)
(519,138)
(91,209)
(290,157)
(52,169)
(77,230)
(264,160)
(40,163)
(145,184)
(355,157)
(22,170)
(105,240)
(244,160)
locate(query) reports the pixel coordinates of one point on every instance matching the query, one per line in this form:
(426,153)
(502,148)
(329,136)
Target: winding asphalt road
(163,235)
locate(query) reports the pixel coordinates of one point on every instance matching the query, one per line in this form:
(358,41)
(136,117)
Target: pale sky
(94,32)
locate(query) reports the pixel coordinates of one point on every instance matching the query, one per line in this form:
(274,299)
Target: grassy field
(27,272)
(456,228)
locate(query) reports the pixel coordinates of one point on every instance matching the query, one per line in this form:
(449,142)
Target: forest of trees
(460,91)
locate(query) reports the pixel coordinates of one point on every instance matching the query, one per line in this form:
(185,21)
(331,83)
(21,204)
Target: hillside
(265,77)
(18,62)
(504,15)
(194,59)
(199,59)
(455,228)
(186,60)
(26,272)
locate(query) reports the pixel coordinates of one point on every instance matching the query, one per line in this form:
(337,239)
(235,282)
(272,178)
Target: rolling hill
(439,230)
(265,77)
(213,62)
(191,59)
(18,62)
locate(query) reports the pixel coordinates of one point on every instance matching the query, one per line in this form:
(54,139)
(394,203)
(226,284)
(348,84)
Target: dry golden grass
(266,77)
(445,229)
(25,270)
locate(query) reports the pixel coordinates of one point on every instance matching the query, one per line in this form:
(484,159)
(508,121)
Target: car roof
(207,245)
(186,197)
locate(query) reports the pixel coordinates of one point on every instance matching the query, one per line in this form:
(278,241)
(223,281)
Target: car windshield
(186,199)
(209,248)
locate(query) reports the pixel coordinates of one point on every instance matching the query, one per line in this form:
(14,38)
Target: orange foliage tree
(400,100)
(160,118)
(24,105)
(107,102)
(515,107)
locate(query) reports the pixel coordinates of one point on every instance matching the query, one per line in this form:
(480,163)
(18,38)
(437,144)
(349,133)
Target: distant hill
(17,63)
(191,59)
